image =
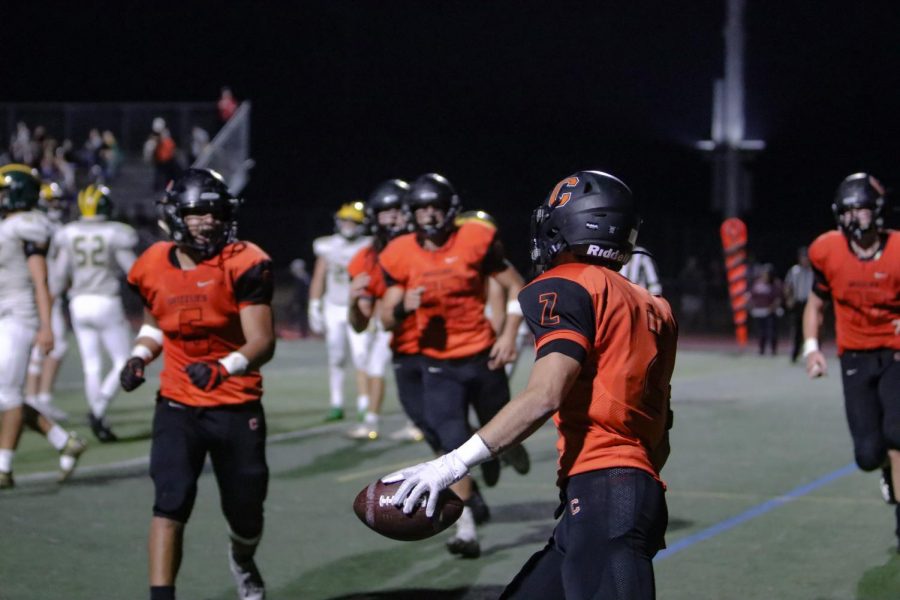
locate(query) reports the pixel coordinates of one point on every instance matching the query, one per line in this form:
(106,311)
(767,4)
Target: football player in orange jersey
(436,280)
(207,299)
(605,352)
(857,266)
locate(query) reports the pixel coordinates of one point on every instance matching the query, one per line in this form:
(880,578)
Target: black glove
(206,375)
(132,374)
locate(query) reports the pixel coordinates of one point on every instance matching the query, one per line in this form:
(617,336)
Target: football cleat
(490,472)
(68,456)
(410,433)
(6,480)
(335,414)
(101,429)
(517,457)
(363,432)
(249,582)
(887,486)
(464,548)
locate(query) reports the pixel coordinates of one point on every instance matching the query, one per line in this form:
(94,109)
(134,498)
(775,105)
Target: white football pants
(16,338)
(338,335)
(100,321)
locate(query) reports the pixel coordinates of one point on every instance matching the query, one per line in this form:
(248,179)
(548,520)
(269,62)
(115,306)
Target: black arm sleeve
(556,305)
(32,248)
(255,286)
(820,285)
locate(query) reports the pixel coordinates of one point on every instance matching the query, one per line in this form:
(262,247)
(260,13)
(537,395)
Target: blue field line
(752,513)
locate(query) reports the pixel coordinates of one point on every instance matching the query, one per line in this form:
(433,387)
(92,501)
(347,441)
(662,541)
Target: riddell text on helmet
(608,253)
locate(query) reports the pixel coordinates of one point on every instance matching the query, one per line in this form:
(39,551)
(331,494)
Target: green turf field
(749,433)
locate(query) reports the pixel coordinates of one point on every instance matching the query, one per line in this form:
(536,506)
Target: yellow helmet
(51,191)
(478,216)
(352,211)
(95,201)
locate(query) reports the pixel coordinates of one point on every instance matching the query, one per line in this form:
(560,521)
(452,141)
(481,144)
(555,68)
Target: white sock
(57,436)
(465,527)
(98,406)
(45,397)
(6,458)
(371,418)
(362,403)
(336,385)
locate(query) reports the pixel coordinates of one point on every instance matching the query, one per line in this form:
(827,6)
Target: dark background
(504,98)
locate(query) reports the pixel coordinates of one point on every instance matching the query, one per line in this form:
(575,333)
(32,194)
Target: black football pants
(872,400)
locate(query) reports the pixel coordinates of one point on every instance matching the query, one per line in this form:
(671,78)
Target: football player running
(605,352)
(329,291)
(208,310)
(857,267)
(437,276)
(385,219)
(43,369)
(25,318)
(89,252)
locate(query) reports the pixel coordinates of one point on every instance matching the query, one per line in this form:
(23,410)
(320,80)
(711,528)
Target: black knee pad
(174,500)
(243,508)
(870,455)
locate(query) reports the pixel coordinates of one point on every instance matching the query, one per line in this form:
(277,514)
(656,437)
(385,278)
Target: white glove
(436,475)
(426,478)
(316,317)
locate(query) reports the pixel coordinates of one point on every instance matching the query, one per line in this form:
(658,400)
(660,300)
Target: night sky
(504,98)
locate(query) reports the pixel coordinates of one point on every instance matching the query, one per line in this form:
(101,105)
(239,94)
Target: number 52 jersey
(198,311)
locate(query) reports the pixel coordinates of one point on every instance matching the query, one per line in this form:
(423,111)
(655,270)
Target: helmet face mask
(385,217)
(349,220)
(432,190)
(590,214)
(196,193)
(857,193)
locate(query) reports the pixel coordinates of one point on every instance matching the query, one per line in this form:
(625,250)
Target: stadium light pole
(727,148)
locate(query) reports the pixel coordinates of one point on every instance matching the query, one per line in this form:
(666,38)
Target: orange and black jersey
(866,292)
(198,311)
(366,261)
(617,412)
(450,322)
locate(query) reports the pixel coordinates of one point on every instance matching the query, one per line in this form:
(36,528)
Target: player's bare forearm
(317,283)
(812,316)
(258,326)
(37,269)
(359,314)
(389,303)
(551,378)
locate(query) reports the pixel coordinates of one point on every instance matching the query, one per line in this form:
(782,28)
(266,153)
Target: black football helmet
(389,194)
(591,214)
(199,191)
(859,190)
(432,189)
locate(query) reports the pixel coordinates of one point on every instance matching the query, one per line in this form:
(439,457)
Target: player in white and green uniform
(91,251)
(24,317)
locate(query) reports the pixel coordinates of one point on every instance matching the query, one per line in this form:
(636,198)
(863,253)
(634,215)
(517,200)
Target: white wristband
(810,345)
(235,363)
(514,308)
(142,352)
(473,452)
(151,332)
(315,305)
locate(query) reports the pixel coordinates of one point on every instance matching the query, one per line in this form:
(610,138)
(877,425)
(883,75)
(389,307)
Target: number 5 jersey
(198,311)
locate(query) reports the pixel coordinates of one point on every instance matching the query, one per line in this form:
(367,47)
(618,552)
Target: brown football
(373,507)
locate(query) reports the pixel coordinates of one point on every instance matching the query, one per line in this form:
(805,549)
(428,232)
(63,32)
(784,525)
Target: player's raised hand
(132,374)
(816,365)
(358,285)
(426,478)
(502,352)
(206,376)
(412,299)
